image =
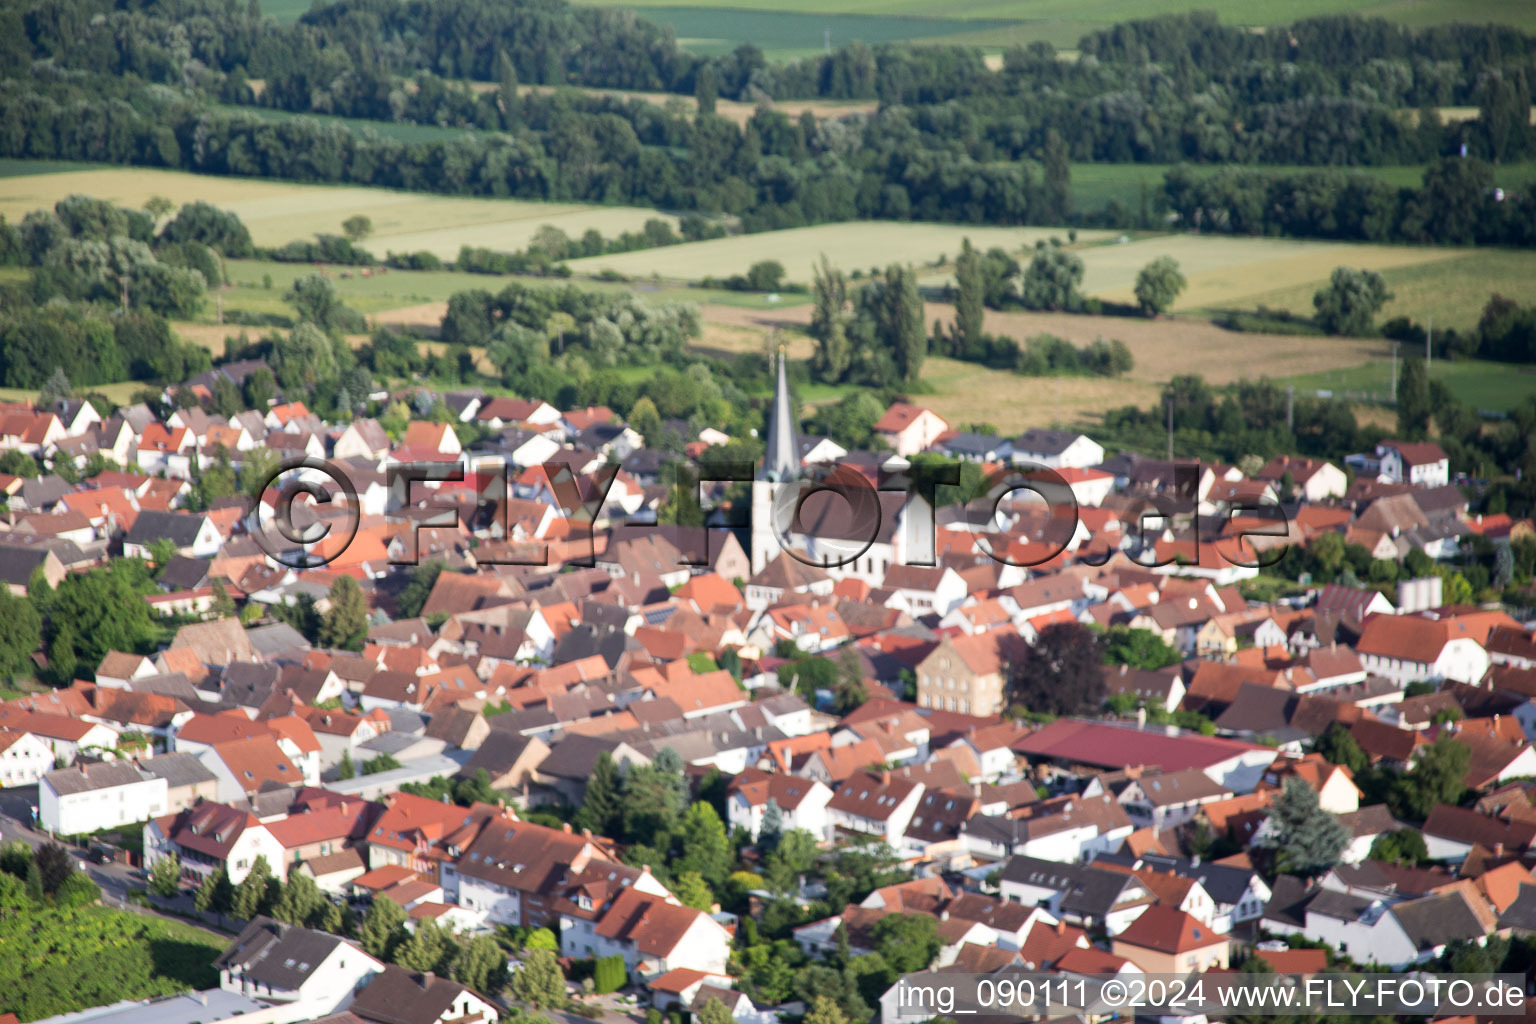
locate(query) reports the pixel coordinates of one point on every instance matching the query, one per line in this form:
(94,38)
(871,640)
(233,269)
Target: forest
(162,84)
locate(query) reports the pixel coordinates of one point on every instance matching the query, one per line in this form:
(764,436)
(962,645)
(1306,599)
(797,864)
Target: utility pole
(1429,338)
(1394,373)
(1290,408)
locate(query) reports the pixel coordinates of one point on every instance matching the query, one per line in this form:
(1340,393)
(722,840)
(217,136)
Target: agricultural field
(862,245)
(1226,271)
(1492,387)
(279,212)
(1449,292)
(794,27)
(1162,349)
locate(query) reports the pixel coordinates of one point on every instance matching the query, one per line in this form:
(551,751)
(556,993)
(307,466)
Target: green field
(1059,22)
(1452,293)
(278,212)
(791,32)
(1495,387)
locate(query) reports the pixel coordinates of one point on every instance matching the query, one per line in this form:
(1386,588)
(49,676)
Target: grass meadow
(1493,387)
(278,212)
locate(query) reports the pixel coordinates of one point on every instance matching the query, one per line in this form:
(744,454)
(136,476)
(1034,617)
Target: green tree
(542,938)
(1138,648)
(1404,846)
(346,769)
(385,762)
(507,76)
(1307,840)
(165,877)
(259,389)
(1158,284)
(21,634)
(601,807)
(1052,280)
(609,974)
(215,894)
(345,625)
(970,312)
(908,942)
(54,864)
(34,883)
(383,928)
(1438,776)
(250,896)
(1058,178)
(706,87)
(56,389)
(793,855)
(423,949)
(825,1011)
(418,587)
(1413,401)
(77,890)
(539,982)
(714,1011)
(1350,302)
(1340,748)
(481,966)
(905,329)
(158,207)
(692,891)
(704,845)
(301,901)
(102,612)
(316,300)
(357,227)
(829,289)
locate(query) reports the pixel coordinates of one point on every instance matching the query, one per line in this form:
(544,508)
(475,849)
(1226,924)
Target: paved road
(115,879)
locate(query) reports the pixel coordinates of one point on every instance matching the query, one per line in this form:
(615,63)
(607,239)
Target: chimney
(1498,849)
(885,777)
(1124,669)
(567,828)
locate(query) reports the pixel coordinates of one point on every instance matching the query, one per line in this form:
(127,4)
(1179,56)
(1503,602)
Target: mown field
(861,246)
(1451,292)
(278,212)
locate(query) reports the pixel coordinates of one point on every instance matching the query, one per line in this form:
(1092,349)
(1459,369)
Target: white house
(1057,449)
(88,798)
(1411,648)
(655,936)
(1420,463)
(875,804)
(24,758)
(909,429)
(210,836)
(316,972)
(802,803)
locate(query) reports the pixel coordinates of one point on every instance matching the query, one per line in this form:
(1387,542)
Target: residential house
(398,996)
(801,803)
(1166,940)
(314,972)
(1056,449)
(91,797)
(909,429)
(967,673)
(208,837)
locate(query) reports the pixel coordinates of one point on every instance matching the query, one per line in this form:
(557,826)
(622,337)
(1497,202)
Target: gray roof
(1086,891)
(1225,883)
(1049,442)
(154,524)
(18,562)
(40,492)
(1341,905)
(1434,921)
(179,769)
(1521,914)
(89,778)
(275,639)
(398,996)
(498,754)
(276,954)
(781,456)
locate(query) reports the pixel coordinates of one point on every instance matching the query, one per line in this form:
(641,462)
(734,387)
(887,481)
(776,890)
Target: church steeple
(781,459)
